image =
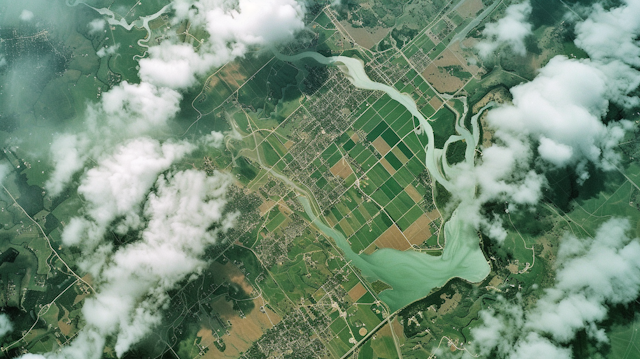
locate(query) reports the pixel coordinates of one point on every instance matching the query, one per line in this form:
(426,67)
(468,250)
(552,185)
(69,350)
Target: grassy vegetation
(379,286)
(456,152)
(443,126)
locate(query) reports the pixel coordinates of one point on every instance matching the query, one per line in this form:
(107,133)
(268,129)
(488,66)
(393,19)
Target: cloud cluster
(174,221)
(610,39)
(132,110)
(511,30)
(115,188)
(560,117)
(127,111)
(591,274)
(132,189)
(136,278)
(554,121)
(234,28)
(183,216)
(610,33)
(174,65)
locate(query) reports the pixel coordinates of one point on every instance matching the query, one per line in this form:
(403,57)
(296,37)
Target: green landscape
(276,285)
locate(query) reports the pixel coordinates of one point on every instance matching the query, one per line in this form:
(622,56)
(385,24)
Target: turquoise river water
(412,274)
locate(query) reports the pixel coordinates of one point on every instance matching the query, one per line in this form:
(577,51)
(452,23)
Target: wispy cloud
(116,187)
(133,280)
(510,31)
(4,171)
(26,15)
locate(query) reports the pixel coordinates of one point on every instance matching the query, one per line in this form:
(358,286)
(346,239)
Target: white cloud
(96,25)
(555,110)
(80,230)
(26,15)
(126,111)
(253,23)
(115,188)
(610,39)
(119,183)
(175,220)
(172,245)
(129,110)
(88,344)
(214,139)
(4,171)
(133,110)
(68,153)
(557,153)
(175,66)
(611,34)
(591,274)
(492,227)
(5,325)
(234,27)
(108,50)
(133,281)
(535,346)
(503,174)
(511,30)
(556,118)
(497,327)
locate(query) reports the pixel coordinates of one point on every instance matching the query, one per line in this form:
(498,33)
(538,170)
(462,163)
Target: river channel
(412,274)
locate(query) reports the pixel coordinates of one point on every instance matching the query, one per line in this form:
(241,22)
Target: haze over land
(561,112)
(174,223)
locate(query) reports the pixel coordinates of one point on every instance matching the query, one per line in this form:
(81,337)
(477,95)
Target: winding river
(412,274)
(117,20)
